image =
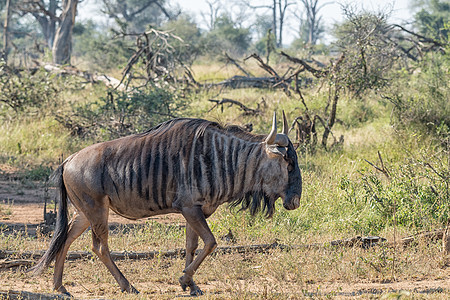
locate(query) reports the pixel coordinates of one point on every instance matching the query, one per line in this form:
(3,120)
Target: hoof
(183,285)
(130,290)
(62,290)
(197,292)
(133,290)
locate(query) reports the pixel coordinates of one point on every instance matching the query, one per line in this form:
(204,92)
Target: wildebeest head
(282,176)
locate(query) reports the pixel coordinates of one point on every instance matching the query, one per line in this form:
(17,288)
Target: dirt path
(23,203)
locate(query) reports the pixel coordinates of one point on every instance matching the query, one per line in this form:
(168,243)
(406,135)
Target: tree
(45,13)
(311,26)
(279,9)
(136,15)
(57,30)
(282,7)
(5,30)
(214,8)
(265,38)
(62,45)
(227,36)
(191,44)
(433,19)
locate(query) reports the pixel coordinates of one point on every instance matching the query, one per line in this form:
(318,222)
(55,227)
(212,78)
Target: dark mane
(253,201)
(200,125)
(243,134)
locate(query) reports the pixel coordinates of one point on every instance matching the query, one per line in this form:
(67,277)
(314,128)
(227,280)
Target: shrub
(413,193)
(26,90)
(424,98)
(124,113)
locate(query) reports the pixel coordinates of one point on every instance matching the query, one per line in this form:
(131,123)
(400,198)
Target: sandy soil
(24,204)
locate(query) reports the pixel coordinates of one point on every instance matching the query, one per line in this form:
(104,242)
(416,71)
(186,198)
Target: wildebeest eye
(290,168)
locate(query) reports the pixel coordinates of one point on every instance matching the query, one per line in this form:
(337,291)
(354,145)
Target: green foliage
(124,113)
(98,49)
(368,55)
(192,44)
(423,97)
(227,36)
(412,193)
(136,15)
(41,172)
(433,19)
(266,41)
(26,91)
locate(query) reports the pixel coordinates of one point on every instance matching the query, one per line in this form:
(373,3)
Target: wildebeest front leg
(196,226)
(191,246)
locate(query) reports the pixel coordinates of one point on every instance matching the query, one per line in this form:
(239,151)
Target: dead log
(358,241)
(122,255)
(239,82)
(23,295)
(9,264)
(363,242)
(90,77)
(434,235)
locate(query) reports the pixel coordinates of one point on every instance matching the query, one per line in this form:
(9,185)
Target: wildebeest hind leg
(100,247)
(77,226)
(197,221)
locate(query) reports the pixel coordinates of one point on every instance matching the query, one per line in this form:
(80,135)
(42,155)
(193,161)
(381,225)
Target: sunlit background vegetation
(370,111)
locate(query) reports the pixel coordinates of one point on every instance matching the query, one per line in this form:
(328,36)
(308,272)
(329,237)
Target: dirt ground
(22,204)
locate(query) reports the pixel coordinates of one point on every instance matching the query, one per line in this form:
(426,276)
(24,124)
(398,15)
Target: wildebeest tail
(60,234)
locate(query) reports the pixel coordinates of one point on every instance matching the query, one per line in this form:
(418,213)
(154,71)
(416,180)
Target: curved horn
(285,125)
(273,133)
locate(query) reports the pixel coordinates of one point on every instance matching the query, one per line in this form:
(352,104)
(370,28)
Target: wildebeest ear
(296,145)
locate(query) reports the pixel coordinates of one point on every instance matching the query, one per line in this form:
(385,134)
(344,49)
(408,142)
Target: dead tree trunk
(62,45)
(446,239)
(5,30)
(274,20)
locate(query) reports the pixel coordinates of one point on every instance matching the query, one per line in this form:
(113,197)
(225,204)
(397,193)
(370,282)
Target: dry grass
(319,272)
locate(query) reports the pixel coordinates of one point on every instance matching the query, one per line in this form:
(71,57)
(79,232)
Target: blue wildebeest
(187,166)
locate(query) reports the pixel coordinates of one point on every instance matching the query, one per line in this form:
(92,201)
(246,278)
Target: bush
(23,91)
(413,193)
(423,98)
(124,113)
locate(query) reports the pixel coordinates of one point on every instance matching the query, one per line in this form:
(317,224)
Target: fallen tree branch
(428,235)
(8,264)
(363,242)
(382,169)
(263,65)
(23,295)
(230,60)
(247,110)
(317,73)
(254,82)
(358,241)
